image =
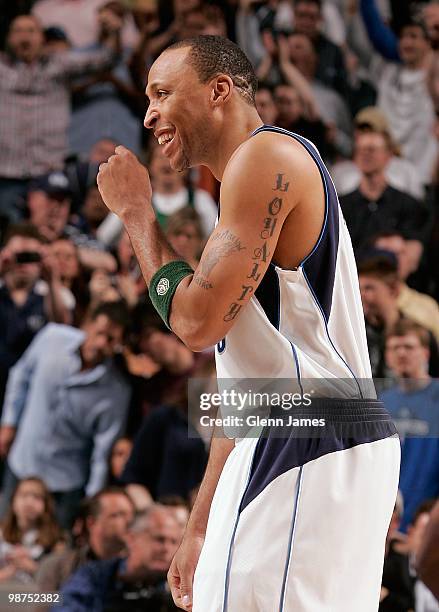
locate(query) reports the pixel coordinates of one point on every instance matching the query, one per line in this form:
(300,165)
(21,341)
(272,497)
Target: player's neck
(236,129)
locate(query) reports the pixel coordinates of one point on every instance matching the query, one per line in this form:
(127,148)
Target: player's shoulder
(269,153)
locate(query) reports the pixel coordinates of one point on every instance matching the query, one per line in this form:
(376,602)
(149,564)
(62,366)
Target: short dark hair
(381,267)
(213,55)
(404,327)
(184,216)
(24,230)
(264,86)
(92,506)
(117,312)
(414,23)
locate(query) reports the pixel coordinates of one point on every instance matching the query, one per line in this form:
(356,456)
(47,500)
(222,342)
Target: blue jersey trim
(291,540)
(322,293)
(232,539)
(276,455)
(329,335)
(296,359)
(268,295)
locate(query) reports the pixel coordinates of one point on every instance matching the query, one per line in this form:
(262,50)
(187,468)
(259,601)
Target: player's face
(179,111)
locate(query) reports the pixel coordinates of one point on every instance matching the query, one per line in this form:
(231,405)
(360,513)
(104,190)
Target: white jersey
(269,546)
(306,322)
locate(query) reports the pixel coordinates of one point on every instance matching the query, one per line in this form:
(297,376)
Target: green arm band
(163,285)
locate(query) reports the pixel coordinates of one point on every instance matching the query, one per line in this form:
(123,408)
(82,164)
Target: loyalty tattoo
(261,254)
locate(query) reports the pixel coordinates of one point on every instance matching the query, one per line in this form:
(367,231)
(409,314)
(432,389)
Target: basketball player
(291,524)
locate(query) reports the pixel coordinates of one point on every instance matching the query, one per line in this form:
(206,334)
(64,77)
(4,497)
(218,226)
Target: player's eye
(161,93)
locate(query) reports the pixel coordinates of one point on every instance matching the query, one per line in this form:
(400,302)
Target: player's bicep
(239,251)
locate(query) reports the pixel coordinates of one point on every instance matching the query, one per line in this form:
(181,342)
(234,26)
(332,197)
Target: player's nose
(151,118)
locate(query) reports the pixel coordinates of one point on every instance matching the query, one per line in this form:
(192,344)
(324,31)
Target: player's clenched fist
(124,184)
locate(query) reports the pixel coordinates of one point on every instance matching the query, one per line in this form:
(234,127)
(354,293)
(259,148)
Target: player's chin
(179,163)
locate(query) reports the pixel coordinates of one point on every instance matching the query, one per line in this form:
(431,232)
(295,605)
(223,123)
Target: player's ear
(222,87)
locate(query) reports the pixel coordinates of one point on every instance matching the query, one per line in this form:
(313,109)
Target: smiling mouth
(166,138)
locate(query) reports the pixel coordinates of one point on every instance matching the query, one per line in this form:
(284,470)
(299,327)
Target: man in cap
(48,201)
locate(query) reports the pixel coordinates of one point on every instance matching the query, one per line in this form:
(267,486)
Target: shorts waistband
(339,410)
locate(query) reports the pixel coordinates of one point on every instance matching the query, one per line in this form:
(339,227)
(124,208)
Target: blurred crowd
(98,470)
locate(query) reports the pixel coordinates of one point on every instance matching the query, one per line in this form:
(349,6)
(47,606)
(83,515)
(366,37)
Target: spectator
(185,235)
(30,294)
(136,583)
(187,20)
(403,94)
(379,292)
(170,193)
(330,105)
(331,69)
(178,506)
(119,454)
(82,170)
(418,307)
(92,213)
(107,516)
(107,104)
(29,531)
(78,20)
(291,116)
(83,230)
(55,40)
(48,202)
(102,288)
(72,275)
(428,554)
(165,459)
(397,587)
(35,106)
(375,206)
(140,496)
(430,15)
(129,277)
(69,404)
(425,601)
(160,365)
(413,403)
(400,173)
(265,105)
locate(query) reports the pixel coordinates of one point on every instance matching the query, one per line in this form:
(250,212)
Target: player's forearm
(219,451)
(150,245)
(189,314)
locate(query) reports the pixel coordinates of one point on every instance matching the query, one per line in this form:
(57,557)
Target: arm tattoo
(215,253)
(202,282)
(280,185)
(261,253)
